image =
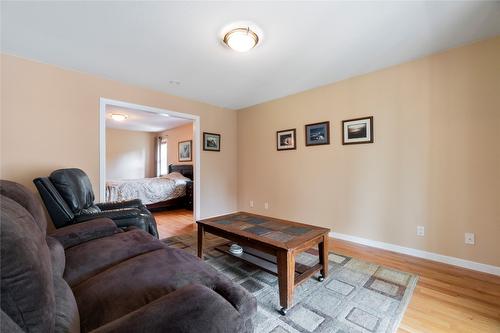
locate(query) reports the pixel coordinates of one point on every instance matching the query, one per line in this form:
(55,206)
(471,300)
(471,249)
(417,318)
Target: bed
(167,191)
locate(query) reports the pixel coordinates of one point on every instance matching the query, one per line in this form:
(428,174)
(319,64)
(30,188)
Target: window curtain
(158,141)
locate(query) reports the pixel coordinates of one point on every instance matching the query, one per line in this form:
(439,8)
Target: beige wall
(50,120)
(174,136)
(435,161)
(129,154)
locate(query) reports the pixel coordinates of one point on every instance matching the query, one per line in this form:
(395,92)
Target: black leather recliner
(68,196)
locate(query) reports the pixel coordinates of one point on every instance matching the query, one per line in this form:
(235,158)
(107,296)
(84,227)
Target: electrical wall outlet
(266,205)
(420,230)
(251,203)
(470,238)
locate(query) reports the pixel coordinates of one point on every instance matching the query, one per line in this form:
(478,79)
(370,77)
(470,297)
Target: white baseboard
(495,270)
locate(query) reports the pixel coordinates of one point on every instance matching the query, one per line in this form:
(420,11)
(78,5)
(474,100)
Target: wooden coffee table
(272,245)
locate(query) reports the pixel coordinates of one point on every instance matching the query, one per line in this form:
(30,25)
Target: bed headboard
(184,169)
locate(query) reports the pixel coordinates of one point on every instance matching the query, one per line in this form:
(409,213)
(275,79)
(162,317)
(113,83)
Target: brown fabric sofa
(95,277)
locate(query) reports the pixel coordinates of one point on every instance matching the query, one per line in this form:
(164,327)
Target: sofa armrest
(193,308)
(135,203)
(83,232)
(114,214)
(239,297)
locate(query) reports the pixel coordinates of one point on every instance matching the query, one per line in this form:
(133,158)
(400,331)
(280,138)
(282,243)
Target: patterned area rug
(357,296)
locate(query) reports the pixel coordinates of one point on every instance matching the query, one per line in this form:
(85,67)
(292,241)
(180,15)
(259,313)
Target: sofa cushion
(90,258)
(108,296)
(67,318)
(8,325)
(193,308)
(57,256)
(21,195)
(27,288)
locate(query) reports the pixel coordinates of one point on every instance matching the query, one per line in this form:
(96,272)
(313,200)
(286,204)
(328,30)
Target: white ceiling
(142,121)
(304,44)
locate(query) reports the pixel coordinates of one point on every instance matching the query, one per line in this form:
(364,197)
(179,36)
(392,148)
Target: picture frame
(286,139)
(357,131)
(211,141)
(185,152)
(318,134)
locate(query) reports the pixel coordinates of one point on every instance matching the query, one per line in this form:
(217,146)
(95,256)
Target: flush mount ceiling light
(241,39)
(119,116)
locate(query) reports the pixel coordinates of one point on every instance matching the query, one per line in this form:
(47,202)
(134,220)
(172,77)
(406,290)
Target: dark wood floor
(446,299)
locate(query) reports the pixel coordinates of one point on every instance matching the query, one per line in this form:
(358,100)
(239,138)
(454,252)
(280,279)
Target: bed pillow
(176,176)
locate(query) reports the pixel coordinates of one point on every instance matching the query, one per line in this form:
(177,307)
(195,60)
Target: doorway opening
(153,155)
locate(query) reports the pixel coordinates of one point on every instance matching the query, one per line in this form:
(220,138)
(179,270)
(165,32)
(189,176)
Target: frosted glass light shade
(241,39)
(118,116)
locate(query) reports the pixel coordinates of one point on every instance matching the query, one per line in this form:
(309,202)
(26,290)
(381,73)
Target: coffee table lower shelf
(269,264)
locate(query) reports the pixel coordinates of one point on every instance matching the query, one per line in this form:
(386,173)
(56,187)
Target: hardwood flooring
(446,299)
(174,222)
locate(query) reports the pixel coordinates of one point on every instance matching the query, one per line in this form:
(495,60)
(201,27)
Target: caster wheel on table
(321,279)
(282,311)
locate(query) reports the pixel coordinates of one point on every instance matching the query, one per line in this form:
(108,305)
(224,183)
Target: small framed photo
(318,134)
(285,140)
(356,131)
(211,141)
(185,151)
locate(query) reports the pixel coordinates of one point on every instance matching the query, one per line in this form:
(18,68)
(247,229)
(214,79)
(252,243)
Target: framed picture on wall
(211,141)
(285,140)
(185,151)
(356,131)
(318,134)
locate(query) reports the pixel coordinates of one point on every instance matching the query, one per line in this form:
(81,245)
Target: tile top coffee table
(272,245)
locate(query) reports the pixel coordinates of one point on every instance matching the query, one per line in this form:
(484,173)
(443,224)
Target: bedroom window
(163,158)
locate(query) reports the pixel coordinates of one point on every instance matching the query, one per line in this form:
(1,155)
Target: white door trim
(103,102)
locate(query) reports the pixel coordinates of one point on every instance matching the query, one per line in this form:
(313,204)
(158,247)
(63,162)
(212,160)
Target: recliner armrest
(135,203)
(114,214)
(75,234)
(193,308)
